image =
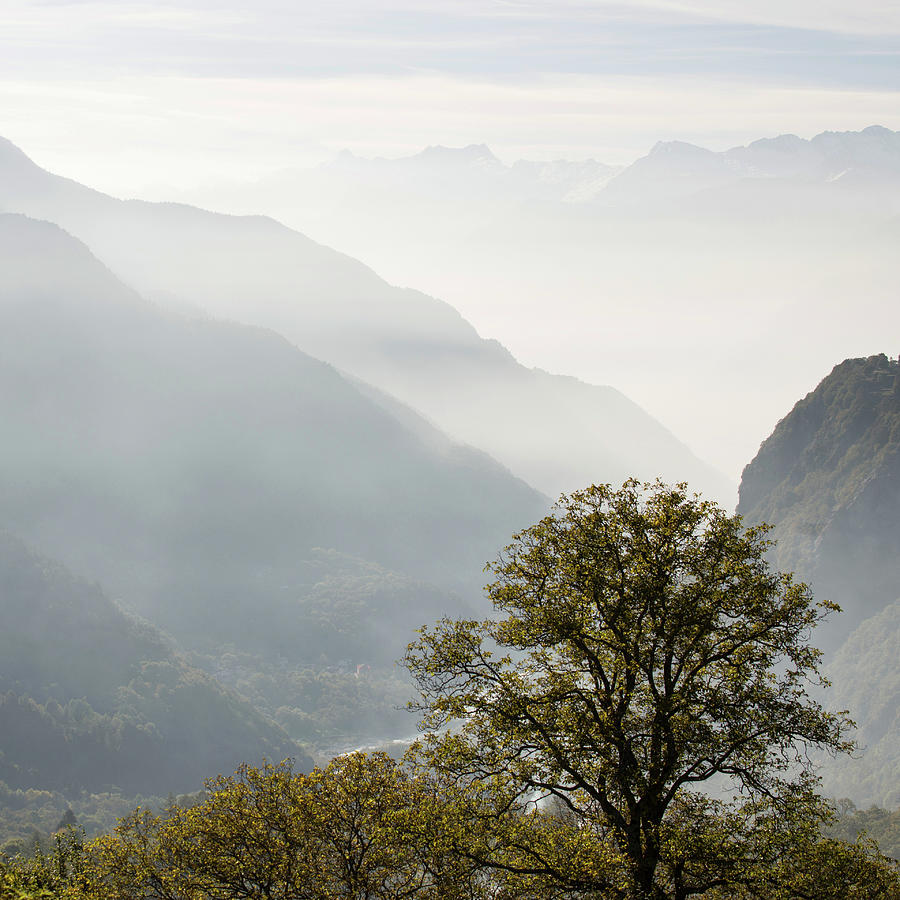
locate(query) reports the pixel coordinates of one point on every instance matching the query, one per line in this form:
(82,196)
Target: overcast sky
(135,97)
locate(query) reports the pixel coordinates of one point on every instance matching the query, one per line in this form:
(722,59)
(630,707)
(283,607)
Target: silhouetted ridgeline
(558,433)
(192,466)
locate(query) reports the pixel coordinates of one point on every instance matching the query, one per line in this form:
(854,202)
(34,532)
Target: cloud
(222,88)
(862,17)
(788,41)
(867,17)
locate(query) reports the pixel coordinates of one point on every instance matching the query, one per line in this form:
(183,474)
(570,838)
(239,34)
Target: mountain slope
(866,680)
(555,432)
(193,465)
(93,699)
(828,479)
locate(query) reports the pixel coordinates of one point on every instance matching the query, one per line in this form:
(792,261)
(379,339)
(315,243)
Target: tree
(644,650)
(361,829)
(12,886)
(68,820)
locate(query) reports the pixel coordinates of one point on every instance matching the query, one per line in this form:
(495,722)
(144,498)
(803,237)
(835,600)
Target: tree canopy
(363,828)
(644,650)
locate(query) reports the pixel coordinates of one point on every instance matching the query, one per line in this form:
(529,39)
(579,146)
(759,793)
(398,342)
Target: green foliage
(646,649)
(361,828)
(367,827)
(57,872)
(875,823)
(775,850)
(29,818)
(13,886)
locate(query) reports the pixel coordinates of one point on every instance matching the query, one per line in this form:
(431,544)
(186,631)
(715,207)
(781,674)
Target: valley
(241,470)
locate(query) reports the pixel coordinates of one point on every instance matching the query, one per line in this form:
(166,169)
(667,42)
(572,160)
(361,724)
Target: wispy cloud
(796,41)
(868,17)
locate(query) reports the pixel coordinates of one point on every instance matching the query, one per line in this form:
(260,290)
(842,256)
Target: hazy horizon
(136,96)
(567,281)
(190,99)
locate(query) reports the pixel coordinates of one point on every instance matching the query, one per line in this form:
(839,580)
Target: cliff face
(828,479)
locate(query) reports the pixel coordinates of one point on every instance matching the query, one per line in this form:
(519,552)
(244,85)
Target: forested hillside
(866,679)
(93,699)
(828,479)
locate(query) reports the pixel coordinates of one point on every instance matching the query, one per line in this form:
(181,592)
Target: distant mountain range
(287,523)
(465,171)
(676,169)
(671,168)
(555,432)
(287,527)
(684,278)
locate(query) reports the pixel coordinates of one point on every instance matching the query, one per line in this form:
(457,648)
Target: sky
(139,97)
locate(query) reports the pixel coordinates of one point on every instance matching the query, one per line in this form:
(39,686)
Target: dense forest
(97,705)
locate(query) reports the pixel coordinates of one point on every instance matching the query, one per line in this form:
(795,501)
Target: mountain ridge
(159,430)
(675,170)
(404,342)
(828,479)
